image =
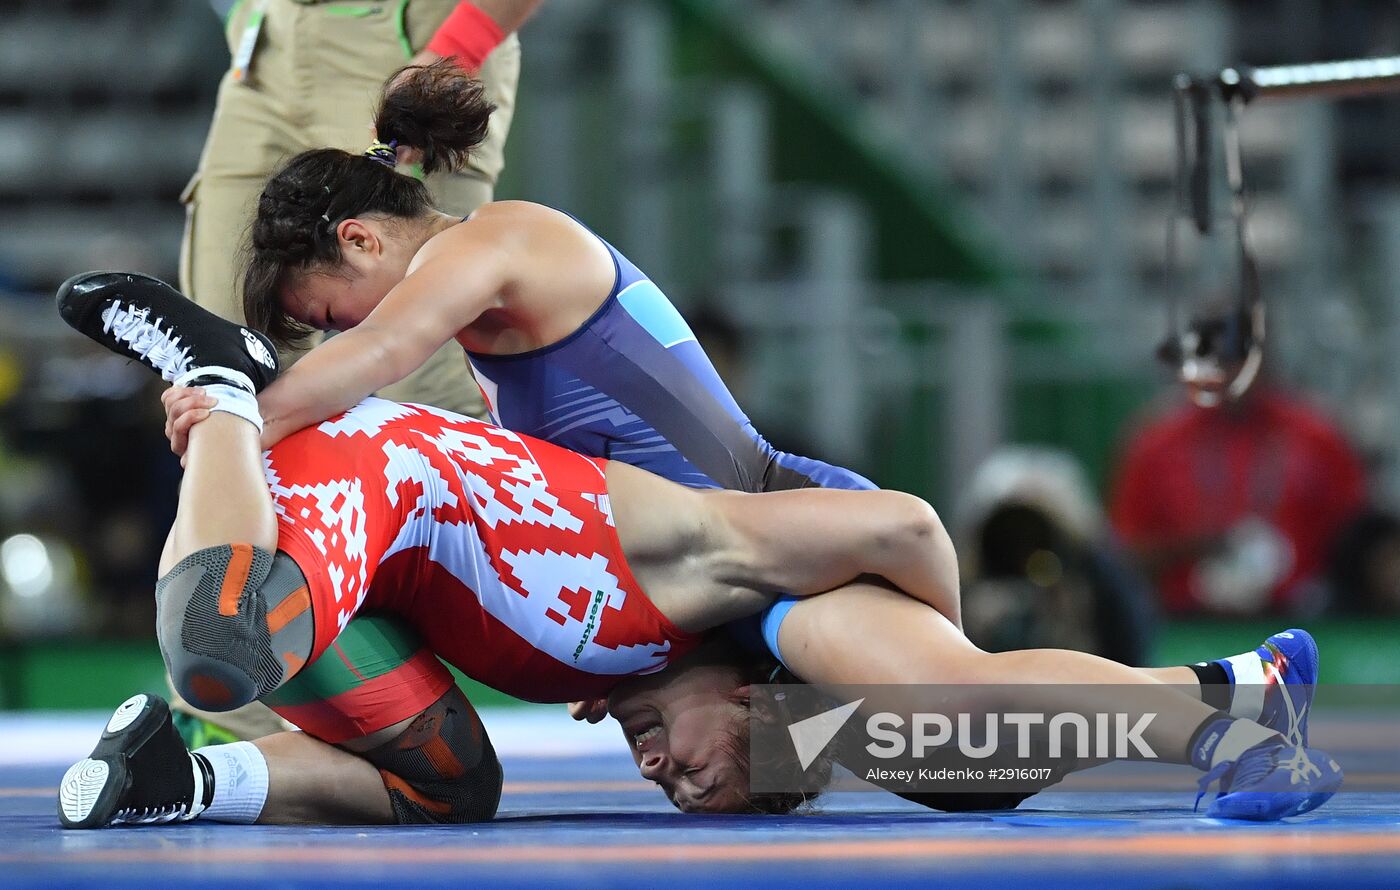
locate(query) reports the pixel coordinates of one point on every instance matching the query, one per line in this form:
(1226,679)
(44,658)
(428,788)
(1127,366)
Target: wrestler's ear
(766,711)
(356,237)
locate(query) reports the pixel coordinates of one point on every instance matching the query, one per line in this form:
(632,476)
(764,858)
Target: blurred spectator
(1365,565)
(1233,508)
(1039,566)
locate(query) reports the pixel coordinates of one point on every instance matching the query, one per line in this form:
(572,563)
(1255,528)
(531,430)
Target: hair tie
(386,153)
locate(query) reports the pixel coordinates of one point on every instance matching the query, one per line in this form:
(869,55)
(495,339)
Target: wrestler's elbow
(916,547)
(909,525)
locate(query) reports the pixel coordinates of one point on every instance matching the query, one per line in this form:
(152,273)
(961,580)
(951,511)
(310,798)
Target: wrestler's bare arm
(706,558)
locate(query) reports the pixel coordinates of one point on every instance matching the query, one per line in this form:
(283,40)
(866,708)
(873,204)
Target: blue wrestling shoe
(1289,662)
(1272,781)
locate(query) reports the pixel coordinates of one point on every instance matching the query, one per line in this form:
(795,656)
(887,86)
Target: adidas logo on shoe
(258,349)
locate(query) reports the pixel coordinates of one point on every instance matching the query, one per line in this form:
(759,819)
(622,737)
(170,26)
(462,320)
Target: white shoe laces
(151,815)
(175,811)
(1299,765)
(133,326)
(1294,734)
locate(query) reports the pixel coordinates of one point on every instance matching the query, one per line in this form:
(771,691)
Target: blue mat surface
(589,821)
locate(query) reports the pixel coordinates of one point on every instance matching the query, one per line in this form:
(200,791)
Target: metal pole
(1388,234)
(1352,77)
(1109,261)
(977,363)
(835,256)
(741,175)
(549,121)
(644,42)
(1010,187)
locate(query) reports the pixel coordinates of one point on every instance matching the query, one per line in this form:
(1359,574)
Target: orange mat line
(1194,845)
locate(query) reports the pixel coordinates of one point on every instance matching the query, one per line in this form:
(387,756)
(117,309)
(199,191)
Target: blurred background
(923,238)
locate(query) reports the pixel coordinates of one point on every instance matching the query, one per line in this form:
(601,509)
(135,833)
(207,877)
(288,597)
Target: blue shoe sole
(1269,806)
(1266,807)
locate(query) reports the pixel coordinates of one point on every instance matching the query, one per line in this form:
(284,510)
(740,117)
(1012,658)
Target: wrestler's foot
(1270,781)
(1272,684)
(146,319)
(140,772)
(1289,660)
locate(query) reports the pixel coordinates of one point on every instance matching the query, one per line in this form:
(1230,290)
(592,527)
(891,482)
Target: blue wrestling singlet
(632,384)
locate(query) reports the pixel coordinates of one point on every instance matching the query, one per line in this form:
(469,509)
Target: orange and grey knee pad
(442,770)
(234,623)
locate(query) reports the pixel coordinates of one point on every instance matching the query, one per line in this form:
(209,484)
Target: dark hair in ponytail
(438,109)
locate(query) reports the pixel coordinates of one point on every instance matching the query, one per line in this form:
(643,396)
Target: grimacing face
(682,725)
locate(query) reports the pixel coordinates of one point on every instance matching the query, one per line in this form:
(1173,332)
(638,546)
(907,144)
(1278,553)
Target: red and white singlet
(499,549)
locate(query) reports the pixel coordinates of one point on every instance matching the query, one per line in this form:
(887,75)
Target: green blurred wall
(100,675)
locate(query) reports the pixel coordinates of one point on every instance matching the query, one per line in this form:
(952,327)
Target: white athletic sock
(240,782)
(235,401)
(1247,690)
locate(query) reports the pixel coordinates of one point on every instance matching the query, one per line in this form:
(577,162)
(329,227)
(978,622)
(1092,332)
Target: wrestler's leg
(436,767)
(234,616)
(223,594)
(390,739)
(313,783)
(712,557)
(417,771)
(224,496)
(819,637)
(707,558)
(410,749)
(364,689)
(753,546)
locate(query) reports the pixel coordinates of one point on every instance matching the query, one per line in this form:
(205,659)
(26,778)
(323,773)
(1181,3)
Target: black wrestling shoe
(139,773)
(145,319)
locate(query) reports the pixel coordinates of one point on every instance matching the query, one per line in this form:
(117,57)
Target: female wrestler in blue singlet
(570,342)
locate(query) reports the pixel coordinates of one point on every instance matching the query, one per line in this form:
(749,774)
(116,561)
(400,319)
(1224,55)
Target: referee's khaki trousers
(315,76)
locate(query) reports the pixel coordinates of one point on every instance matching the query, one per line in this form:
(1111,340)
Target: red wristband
(468,35)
